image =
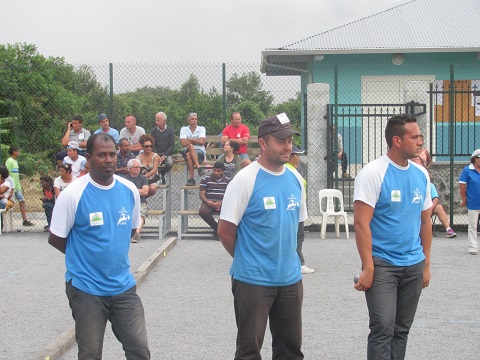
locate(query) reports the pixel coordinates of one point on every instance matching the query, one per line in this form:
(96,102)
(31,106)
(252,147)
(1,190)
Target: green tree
(248,87)
(42,93)
(292,108)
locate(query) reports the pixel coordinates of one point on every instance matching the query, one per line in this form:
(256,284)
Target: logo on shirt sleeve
(96,218)
(269,203)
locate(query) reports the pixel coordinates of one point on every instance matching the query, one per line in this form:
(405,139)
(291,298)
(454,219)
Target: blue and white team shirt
(97,222)
(471,177)
(266,207)
(398,195)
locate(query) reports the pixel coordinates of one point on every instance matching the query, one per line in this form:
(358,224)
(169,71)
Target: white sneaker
(307,270)
(473,252)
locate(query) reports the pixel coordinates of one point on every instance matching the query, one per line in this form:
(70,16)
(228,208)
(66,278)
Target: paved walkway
(189,307)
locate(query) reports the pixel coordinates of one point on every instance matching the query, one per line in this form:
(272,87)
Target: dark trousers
(344,162)
(392,302)
(124,311)
(206,213)
(300,238)
(48,207)
(282,306)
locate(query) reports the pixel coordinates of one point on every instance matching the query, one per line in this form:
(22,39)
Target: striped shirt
(215,188)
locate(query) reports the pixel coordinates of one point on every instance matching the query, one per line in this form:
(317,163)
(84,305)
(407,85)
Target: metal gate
(360,129)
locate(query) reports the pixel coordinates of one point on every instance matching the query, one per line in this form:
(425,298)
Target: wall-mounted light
(318,58)
(398,59)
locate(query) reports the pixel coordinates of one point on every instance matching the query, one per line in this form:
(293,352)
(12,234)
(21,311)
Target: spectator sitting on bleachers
(65,178)
(149,161)
(105,128)
(5,187)
(164,144)
(75,132)
(123,156)
(437,209)
(239,133)
(212,190)
(141,182)
(48,198)
(192,138)
(231,160)
(77,161)
(133,133)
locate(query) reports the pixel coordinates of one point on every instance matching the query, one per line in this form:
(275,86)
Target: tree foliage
(248,87)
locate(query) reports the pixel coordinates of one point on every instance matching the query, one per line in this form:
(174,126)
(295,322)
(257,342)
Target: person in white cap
(77,161)
(470,192)
(293,164)
(263,205)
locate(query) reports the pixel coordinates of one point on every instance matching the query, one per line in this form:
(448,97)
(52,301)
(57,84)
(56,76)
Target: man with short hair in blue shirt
(92,224)
(263,205)
(393,232)
(106,129)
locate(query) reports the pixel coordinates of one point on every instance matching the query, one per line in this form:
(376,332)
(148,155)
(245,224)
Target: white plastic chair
(331,195)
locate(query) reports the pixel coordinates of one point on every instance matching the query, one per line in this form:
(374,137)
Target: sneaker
(473,252)
(451,233)
(191,182)
(346,175)
(136,238)
(27,223)
(162,178)
(307,270)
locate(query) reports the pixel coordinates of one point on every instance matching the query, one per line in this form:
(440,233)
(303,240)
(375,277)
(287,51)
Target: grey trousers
(91,313)
(392,302)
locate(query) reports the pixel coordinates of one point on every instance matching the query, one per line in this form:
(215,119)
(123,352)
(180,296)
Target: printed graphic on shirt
(396,196)
(417,197)
(292,203)
(96,218)
(269,203)
(124,217)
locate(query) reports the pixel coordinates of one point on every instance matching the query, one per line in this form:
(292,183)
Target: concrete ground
(189,308)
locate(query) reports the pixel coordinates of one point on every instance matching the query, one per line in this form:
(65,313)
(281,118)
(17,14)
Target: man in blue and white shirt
(258,227)
(92,224)
(393,232)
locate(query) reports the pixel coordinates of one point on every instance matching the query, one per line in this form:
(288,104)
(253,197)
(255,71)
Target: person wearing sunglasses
(149,161)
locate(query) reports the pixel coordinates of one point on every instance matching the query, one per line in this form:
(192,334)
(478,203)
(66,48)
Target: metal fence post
(451,133)
(111,90)
(224,89)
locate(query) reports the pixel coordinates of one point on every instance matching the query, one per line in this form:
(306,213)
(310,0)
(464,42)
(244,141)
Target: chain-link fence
(39,97)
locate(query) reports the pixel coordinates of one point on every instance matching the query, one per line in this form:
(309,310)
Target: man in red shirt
(239,133)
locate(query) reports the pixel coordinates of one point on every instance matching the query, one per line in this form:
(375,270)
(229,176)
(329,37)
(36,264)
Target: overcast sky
(145,31)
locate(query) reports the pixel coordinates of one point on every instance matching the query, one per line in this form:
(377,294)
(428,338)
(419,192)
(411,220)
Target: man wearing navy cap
(263,205)
(105,128)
